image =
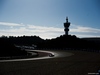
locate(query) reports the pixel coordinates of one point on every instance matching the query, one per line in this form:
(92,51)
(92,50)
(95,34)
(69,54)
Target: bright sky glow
(45,18)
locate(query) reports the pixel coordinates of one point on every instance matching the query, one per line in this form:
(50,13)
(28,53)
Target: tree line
(7,44)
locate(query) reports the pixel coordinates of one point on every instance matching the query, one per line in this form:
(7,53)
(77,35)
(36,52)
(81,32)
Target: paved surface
(42,54)
(81,63)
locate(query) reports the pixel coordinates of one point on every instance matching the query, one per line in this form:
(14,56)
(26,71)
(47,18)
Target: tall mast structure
(66,26)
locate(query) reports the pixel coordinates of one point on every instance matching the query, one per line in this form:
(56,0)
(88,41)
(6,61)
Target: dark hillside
(68,41)
(62,42)
(25,40)
(8,49)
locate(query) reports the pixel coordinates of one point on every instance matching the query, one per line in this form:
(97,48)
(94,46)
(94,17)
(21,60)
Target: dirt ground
(81,63)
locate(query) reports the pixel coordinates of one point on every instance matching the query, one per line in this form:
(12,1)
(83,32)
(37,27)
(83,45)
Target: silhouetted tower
(66,26)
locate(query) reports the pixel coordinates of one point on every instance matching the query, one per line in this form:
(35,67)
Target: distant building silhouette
(66,26)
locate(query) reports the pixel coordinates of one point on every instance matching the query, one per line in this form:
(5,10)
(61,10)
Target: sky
(45,18)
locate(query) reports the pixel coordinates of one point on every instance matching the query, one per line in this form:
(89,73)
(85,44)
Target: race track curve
(43,54)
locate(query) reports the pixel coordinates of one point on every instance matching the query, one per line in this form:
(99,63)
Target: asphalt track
(63,63)
(43,54)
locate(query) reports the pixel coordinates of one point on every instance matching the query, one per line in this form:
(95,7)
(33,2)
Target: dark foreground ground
(81,63)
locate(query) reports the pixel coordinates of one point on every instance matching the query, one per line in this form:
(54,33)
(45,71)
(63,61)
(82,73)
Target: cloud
(10,24)
(77,28)
(44,29)
(82,31)
(46,32)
